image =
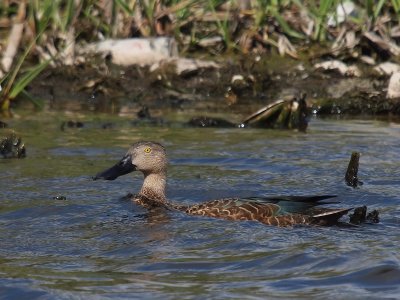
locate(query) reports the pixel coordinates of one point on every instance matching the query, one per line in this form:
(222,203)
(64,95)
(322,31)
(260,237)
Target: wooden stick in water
(351,176)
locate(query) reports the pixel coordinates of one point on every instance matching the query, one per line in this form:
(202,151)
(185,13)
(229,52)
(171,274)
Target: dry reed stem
(14,39)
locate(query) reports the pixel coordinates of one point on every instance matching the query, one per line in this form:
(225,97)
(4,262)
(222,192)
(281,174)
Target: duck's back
(271,211)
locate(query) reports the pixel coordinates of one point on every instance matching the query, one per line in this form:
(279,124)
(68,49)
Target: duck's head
(147,157)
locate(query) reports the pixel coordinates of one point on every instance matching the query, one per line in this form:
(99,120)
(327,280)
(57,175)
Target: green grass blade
(285,26)
(15,71)
(396,6)
(98,22)
(322,13)
(378,8)
(69,14)
(223,27)
(124,6)
(47,12)
(4,95)
(369,5)
(37,103)
(20,85)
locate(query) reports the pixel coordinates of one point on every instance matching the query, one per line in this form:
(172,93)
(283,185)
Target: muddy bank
(238,87)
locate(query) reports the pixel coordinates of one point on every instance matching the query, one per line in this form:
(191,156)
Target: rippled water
(96,245)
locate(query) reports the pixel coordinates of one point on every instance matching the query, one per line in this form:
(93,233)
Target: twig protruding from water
(351,176)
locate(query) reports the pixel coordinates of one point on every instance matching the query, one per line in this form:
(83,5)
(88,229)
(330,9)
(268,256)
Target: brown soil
(102,87)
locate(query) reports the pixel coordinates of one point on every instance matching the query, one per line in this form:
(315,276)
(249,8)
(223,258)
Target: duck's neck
(154,187)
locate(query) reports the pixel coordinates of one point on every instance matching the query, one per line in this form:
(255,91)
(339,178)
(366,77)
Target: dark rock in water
(74,124)
(360,216)
(351,176)
(210,122)
(12,147)
(144,113)
(71,124)
(145,118)
(299,118)
(107,125)
(373,216)
(3,124)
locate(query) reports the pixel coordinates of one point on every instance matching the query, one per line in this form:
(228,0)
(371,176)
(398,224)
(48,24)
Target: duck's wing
(301,210)
(303,199)
(281,211)
(257,206)
(234,209)
(292,204)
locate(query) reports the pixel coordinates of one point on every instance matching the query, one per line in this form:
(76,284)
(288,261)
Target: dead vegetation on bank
(344,36)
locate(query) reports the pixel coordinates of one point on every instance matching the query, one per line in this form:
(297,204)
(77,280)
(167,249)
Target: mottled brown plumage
(267,213)
(150,158)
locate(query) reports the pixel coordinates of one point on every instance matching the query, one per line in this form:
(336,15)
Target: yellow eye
(147,150)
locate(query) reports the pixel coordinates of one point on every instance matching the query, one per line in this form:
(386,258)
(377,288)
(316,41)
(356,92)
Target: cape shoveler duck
(150,158)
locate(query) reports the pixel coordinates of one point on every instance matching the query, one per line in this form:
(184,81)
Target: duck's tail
(329,216)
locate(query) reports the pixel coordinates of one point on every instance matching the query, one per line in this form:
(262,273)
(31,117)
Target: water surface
(95,245)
